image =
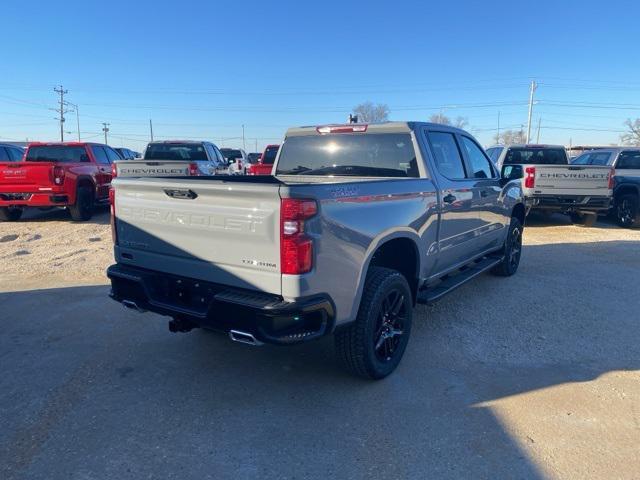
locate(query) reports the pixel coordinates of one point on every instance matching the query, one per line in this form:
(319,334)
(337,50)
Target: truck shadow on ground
(100,216)
(92,389)
(536,219)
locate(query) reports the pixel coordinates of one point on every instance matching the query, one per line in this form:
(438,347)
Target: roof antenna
(353,118)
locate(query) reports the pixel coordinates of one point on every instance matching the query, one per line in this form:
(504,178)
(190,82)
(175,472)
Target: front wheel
(10,214)
(628,211)
(374,344)
(512,251)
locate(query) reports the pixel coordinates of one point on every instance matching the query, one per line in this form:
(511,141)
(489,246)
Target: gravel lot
(536,376)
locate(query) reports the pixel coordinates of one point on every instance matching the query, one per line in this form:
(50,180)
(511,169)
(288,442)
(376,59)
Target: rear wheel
(82,210)
(10,214)
(374,344)
(512,251)
(628,211)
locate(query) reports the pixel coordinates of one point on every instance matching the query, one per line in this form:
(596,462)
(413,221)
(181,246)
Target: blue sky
(203,69)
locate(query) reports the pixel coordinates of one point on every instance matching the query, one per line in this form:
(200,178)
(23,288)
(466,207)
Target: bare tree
(369,113)
(459,122)
(632,135)
(509,137)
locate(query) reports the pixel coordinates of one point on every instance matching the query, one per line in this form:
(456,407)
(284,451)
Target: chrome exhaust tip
(131,305)
(244,337)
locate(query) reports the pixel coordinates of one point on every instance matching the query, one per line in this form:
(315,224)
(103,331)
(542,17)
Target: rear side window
(101,156)
(175,151)
(357,155)
(479,162)
(629,161)
(446,154)
(270,155)
(4,155)
(112,154)
(57,153)
(535,156)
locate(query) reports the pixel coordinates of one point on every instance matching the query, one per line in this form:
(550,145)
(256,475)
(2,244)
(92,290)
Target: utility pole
(77,110)
(244,145)
(151,129)
(61,111)
(532,89)
(256,150)
(105,129)
(538,135)
(498,135)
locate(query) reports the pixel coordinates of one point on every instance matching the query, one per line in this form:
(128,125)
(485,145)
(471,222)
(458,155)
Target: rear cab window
(175,151)
(629,160)
(57,154)
(592,158)
(270,155)
(535,156)
(349,154)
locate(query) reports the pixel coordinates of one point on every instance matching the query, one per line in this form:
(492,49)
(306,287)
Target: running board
(429,296)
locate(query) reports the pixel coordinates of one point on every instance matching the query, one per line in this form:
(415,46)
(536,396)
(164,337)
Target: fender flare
(397,233)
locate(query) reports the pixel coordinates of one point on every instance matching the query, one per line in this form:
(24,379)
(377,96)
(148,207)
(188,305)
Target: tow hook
(181,325)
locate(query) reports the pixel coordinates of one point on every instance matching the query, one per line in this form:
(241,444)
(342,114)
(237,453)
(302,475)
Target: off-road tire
(512,251)
(356,343)
(627,211)
(82,210)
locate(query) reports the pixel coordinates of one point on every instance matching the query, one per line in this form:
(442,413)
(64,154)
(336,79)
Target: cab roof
(364,128)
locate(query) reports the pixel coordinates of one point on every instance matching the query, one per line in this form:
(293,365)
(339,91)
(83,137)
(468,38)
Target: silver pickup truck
(550,184)
(358,224)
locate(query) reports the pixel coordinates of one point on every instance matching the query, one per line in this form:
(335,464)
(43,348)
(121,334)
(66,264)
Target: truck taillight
(530,177)
(114,170)
(193,169)
(112,205)
(58,175)
(612,173)
(296,248)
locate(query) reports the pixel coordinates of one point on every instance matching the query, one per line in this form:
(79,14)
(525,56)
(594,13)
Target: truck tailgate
(572,180)
(25,176)
(221,232)
(142,168)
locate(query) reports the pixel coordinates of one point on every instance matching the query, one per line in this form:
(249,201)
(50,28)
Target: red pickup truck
(265,164)
(74,175)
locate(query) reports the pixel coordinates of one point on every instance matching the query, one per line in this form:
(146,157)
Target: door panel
(457,239)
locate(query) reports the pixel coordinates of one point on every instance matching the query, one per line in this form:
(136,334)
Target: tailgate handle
(184,194)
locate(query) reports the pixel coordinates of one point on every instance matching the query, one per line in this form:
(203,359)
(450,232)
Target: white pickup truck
(551,184)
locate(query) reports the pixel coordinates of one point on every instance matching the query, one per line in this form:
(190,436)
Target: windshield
(371,155)
(535,156)
(57,153)
(175,151)
(592,158)
(231,154)
(270,155)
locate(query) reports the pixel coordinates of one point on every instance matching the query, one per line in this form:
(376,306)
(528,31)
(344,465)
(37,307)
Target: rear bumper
(35,199)
(569,203)
(267,317)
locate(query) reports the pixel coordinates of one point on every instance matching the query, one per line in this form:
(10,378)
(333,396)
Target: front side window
(494,153)
(99,153)
(112,155)
(349,154)
(480,167)
(447,154)
(629,161)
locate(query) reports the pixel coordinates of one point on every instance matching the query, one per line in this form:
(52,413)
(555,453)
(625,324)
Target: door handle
(449,198)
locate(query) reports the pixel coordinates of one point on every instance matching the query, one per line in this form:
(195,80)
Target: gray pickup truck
(358,224)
